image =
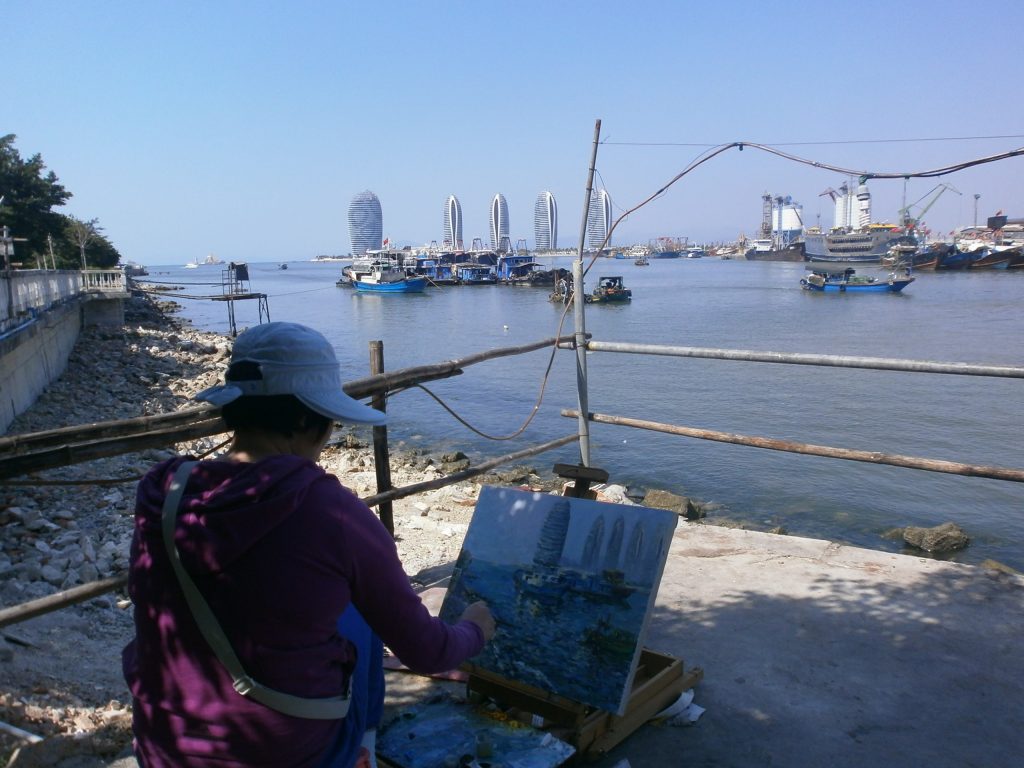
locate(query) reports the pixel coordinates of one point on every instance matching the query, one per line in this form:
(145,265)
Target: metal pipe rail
(872,457)
(797,358)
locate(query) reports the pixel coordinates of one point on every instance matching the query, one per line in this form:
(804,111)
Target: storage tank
(788,215)
(787,220)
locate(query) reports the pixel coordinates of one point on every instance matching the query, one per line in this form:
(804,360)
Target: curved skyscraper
(365,223)
(545,223)
(452,238)
(599,217)
(499,224)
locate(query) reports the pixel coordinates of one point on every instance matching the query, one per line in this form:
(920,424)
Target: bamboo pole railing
(63,599)
(456,477)
(69,445)
(37,451)
(872,457)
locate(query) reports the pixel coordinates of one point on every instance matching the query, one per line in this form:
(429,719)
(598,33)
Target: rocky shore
(60,676)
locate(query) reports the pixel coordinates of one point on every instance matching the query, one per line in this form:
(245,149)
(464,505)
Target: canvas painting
(571,583)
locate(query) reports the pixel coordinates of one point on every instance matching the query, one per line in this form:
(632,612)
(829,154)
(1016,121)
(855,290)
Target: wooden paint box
(658,681)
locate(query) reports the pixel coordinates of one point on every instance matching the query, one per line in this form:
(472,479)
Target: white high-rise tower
(452,224)
(545,223)
(599,217)
(499,224)
(365,223)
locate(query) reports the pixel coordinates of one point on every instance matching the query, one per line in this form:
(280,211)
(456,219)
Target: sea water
(972,317)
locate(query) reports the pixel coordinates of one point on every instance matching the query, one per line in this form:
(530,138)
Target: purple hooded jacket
(279,549)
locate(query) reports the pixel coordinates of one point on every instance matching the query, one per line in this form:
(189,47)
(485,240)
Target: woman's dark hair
(282,414)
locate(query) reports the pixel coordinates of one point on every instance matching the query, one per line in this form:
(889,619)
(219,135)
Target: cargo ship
(853,238)
(861,246)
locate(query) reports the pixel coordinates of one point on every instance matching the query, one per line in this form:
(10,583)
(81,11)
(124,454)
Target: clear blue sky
(244,129)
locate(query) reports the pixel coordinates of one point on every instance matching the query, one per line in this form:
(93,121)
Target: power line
(815,143)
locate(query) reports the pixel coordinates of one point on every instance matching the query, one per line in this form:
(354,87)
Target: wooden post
(381,457)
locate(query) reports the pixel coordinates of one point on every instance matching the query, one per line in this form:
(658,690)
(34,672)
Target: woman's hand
(480,614)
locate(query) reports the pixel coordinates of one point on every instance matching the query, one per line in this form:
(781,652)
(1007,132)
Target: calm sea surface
(973,317)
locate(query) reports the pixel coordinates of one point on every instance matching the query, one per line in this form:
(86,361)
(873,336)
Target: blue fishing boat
(518,269)
(475,274)
(384,277)
(846,280)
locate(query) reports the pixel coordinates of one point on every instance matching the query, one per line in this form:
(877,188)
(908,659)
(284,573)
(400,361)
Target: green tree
(30,195)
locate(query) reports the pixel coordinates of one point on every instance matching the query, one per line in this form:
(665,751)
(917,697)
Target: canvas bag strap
(333,708)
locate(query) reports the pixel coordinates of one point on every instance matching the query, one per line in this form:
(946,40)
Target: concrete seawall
(34,355)
(41,315)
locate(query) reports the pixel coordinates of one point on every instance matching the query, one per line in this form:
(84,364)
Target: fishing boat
(475,274)
(667,247)
(641,261)
(609,290)
(767,249)
(846,280)
(518,269)
(384,277)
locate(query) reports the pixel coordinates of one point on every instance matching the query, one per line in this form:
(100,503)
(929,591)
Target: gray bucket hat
(293,360)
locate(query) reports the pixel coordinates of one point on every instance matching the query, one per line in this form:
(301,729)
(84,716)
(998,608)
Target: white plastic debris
(682,711)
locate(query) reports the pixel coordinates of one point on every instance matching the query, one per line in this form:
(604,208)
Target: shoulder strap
(333,708)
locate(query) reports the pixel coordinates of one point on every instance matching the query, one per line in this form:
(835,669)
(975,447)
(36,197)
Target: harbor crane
(911,222)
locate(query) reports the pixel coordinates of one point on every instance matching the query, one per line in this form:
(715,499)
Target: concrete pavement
(816,654)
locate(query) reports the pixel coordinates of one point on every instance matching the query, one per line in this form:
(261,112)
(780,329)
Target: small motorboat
(282,266)
(609,290)
(844,279)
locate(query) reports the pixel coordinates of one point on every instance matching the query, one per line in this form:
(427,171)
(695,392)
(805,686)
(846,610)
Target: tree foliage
(30,193)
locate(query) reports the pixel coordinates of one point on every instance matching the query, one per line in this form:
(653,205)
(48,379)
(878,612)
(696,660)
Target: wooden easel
(582,477)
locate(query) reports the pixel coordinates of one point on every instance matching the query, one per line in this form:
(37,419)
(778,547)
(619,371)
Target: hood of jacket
(227,506)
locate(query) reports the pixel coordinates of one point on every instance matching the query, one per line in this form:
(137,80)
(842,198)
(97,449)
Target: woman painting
(299,579)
